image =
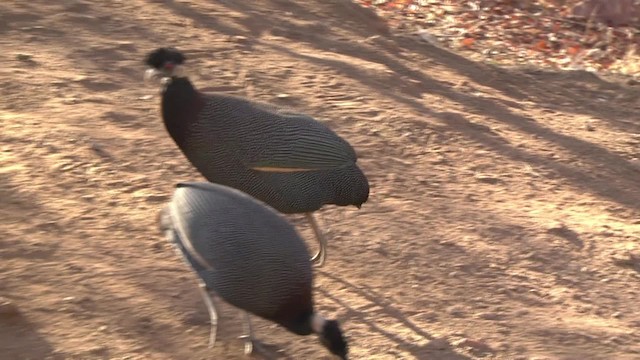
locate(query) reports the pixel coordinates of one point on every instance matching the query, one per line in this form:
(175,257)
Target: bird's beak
(152,75)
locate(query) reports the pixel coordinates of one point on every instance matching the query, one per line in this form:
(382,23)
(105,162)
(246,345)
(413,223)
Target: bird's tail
(352,187)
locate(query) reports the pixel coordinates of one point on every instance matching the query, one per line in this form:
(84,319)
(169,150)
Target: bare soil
(503,221)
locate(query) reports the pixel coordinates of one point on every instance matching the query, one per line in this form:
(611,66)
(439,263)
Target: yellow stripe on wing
(280,169)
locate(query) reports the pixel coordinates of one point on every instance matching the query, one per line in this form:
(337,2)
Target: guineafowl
(288,160)
(249,255)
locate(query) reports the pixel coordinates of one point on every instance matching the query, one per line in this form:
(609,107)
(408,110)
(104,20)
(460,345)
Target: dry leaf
(541,45)
(467,42)
(573,50)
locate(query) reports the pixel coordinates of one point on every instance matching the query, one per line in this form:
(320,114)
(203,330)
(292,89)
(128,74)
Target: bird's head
(163,63)
(331,336)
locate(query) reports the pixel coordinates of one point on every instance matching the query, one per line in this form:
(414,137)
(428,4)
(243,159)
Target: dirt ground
(503,221)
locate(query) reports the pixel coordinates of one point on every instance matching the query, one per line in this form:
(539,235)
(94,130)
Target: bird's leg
(248,334)
(213,315)
(251,345)
(321,255)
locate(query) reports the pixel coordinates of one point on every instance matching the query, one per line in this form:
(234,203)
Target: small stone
(456,310)
(145,97)
(474,344)
(24,57)
(589,126)
(70,101)
(79,78)
(69,298)
(157,198)
(240,39)
(487,179)
(488,315)
(617,315)
(439,344)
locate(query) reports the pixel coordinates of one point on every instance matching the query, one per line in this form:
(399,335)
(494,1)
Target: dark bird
(248,254)
(288,160)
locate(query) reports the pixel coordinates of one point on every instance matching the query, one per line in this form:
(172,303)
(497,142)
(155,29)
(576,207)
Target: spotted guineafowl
(249,255)
(288,160)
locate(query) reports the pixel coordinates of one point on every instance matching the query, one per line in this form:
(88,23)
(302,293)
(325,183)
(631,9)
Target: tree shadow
(419,351)
(20,339)
(406,84)
(597,156)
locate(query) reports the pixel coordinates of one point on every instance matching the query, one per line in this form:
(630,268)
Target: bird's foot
(319,258)
(253,346)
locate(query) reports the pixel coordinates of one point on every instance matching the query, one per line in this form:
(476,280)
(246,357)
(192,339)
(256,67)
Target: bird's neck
(181,105)
(317,323)
(296,312)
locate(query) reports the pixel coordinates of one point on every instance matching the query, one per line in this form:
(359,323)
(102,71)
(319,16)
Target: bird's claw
(318,259)
(252,347)
(248,344)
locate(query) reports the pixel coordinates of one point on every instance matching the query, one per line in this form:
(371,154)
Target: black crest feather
(159,57)
(333,339)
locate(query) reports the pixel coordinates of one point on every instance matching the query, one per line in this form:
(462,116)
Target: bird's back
(233,136)
(258,260)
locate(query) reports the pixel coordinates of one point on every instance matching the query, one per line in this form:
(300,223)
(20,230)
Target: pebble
(617,315)
(487,179)
(239,39)
(70,101)
(157,198)
(439,344)
(456,310)
(474,344)
(24,57)
(489,315)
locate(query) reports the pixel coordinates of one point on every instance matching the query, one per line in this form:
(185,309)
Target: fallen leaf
(541,45)
(573,50)
(467,42)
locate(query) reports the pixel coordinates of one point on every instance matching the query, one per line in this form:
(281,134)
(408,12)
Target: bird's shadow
(20,339)
(426,350)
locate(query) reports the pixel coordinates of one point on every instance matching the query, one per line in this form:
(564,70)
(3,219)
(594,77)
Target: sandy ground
(503,221)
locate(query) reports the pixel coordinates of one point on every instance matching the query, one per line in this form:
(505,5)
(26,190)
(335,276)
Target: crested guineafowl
(288,160)
(248,254)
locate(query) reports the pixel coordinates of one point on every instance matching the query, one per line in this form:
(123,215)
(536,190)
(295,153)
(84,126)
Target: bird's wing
(300,144)
(179,233)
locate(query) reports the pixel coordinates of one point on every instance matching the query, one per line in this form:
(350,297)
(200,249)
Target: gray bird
(248,254)
(288,160)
